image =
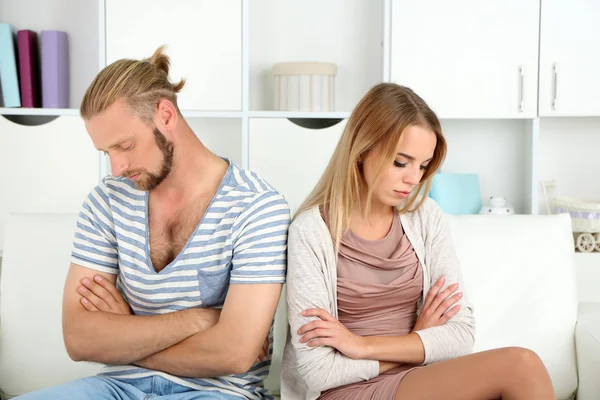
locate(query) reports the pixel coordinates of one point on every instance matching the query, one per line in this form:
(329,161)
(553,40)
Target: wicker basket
(304,86)
(585,217)
(585,214)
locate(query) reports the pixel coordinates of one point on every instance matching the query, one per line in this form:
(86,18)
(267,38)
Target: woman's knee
(525,362)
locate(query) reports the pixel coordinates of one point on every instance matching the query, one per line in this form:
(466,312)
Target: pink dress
(379,284)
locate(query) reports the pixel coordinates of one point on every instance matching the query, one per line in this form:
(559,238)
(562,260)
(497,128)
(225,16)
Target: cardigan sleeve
(457,336)
(323,367)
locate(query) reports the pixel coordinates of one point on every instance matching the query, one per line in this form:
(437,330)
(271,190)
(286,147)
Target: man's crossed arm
(98,326)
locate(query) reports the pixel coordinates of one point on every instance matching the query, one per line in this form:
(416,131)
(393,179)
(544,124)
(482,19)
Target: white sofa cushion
(519,273)
(587,336)
(36,261)
(520,276)
(34,268)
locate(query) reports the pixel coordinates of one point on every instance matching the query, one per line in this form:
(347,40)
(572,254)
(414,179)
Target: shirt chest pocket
(213,286)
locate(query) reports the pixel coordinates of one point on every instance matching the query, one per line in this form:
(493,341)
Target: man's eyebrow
(112,146)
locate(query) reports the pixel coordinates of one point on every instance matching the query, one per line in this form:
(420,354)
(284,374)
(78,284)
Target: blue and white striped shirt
(242,238)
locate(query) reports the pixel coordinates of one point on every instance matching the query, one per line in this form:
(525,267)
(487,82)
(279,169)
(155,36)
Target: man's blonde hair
(378,121)
(140,83)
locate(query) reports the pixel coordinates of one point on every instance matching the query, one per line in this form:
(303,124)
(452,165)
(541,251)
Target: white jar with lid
(304,86)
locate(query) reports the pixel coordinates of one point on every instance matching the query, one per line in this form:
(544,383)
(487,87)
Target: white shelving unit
(466,58)
(297,164)
(568,69)
(58,112)
(499,151)
(203,38)
(569,156)
(475,63)
(80,19)
(47,168)
(348,33)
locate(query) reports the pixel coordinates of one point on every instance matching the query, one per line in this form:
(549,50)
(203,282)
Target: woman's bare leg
(511,373)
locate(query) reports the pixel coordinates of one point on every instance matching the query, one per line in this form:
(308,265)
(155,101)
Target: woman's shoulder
(308,222)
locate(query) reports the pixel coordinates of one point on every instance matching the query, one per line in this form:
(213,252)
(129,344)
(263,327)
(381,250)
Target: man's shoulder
(246,180)
(114,194)
(248,186)
(114,185)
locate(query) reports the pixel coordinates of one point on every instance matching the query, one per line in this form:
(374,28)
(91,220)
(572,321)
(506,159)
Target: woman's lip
(401,193)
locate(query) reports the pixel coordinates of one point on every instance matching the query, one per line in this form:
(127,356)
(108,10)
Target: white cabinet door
(569,58)
(468,58)
(203,38)
(48,168)
(289,157)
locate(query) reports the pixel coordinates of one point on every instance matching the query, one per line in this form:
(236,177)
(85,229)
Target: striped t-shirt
(241,238)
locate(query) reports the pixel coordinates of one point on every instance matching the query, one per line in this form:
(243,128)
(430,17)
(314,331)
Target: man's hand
(438,306)
(99,294)
(328,331)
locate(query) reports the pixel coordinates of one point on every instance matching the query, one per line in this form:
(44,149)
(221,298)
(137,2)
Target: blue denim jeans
(104,388)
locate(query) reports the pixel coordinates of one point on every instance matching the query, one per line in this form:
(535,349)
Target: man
(195,245)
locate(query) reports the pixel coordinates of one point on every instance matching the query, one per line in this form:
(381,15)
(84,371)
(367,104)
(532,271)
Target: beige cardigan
(312,282)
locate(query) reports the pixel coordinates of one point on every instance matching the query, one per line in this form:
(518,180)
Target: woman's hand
(437,309)
(328,331)
(264,351)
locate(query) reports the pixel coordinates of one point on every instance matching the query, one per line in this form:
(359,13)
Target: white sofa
(519,273)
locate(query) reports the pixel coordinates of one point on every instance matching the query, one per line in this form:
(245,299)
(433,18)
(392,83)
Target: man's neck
(196,172)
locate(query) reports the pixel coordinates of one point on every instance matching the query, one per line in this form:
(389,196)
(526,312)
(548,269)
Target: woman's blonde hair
(377,121)
(141,83)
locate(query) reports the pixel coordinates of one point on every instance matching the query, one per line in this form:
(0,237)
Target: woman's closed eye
(403,165)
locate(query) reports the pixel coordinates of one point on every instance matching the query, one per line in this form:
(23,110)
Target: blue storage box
(456,193)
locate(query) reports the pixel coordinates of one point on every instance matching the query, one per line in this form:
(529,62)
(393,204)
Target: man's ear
(166,116)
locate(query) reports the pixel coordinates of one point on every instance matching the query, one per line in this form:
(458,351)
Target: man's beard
(149,180)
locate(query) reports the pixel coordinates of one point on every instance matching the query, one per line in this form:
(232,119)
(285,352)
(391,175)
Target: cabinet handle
(522,78)
(554,85)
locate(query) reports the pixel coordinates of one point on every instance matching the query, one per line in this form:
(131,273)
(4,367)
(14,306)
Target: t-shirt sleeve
(94,242)
(260,241)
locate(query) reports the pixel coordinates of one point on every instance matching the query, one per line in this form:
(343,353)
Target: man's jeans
(104,388)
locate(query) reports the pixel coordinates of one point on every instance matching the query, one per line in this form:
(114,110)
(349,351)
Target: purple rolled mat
(29,79)
(55,69)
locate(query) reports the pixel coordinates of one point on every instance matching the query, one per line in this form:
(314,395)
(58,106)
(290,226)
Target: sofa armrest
(587,341)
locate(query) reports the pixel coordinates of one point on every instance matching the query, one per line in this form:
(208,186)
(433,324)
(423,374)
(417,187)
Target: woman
(376,303)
